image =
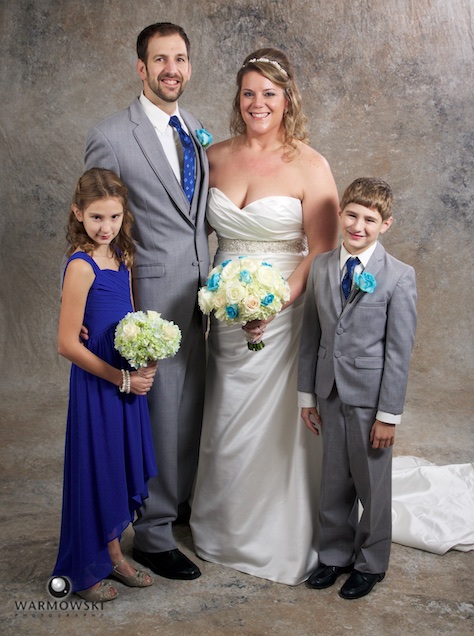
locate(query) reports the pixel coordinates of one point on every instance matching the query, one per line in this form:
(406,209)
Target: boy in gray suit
(356,343)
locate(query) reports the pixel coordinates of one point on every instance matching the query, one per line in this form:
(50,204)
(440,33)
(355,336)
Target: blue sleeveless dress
(109,453)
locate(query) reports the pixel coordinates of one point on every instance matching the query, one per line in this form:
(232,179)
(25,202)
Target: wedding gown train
(432,506)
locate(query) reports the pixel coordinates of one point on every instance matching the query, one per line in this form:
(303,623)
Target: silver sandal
(134,580)
(104,592)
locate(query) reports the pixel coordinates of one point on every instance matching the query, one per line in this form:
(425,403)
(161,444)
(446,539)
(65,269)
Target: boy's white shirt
(308,400)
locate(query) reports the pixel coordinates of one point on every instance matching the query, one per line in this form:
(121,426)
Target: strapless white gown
(256,494)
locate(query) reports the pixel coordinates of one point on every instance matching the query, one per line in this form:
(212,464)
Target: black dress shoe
(172,564)
(359,584)
(326,575)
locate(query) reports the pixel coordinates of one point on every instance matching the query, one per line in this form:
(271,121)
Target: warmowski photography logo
(61,602)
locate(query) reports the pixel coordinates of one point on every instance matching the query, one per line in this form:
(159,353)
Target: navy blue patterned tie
(346,284)
(188,158)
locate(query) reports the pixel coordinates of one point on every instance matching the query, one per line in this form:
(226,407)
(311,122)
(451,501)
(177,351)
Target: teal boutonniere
(365,282)
(204,137)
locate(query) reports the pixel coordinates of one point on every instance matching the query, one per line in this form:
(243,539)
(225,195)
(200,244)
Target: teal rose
(232,311)
(245,276)
(269,298)
(365,282)
(204,137)
(213,282)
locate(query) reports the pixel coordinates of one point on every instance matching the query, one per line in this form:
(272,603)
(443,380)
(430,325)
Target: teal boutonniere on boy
(365,282)
(204,137)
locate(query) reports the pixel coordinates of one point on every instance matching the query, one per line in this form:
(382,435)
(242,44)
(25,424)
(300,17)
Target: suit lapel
(335,280)
(153,151)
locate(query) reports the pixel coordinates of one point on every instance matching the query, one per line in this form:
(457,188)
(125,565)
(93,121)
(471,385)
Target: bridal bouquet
(143,336)
(245,289)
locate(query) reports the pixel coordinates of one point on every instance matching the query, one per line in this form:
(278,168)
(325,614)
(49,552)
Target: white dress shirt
(167,135)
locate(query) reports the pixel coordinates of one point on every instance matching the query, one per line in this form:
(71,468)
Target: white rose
(250,264)
(251,304)
(153,315)
(282,289)
(219,301)
(130,331)
(169,332)
(230,270)
(234,293)
(266,276)
(206,300)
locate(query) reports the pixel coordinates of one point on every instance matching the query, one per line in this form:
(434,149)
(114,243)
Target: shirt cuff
(388,418)
(306,400)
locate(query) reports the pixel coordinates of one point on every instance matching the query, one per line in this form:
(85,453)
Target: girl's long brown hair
(99,183)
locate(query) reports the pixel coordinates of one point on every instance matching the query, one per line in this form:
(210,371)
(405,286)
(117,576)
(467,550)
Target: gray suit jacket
(172,258)
(363,345)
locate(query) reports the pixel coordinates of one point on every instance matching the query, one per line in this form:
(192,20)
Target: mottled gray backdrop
(388,90)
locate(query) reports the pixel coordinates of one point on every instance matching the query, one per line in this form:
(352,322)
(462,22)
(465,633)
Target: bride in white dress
(255,503)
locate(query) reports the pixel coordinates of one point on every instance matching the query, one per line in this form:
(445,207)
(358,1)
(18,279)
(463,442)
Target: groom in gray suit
(356,343)
(153,147)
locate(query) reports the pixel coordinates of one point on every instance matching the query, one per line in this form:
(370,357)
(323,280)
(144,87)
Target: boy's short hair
(372,193)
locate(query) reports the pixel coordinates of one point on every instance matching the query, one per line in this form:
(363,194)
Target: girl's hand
(142,380)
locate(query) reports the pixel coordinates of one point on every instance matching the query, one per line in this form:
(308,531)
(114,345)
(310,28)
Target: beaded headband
(268,61)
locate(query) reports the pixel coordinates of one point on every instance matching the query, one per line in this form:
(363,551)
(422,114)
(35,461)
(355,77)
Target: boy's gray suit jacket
(363,345)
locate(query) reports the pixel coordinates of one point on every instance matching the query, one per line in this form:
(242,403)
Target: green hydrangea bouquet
(143,336)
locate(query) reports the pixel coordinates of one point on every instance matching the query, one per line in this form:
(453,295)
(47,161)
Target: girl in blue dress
(109,453)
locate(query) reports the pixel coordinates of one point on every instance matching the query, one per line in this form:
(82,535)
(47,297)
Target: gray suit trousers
(352,471)
(179,381)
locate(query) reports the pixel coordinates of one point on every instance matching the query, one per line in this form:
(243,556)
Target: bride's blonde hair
(276,67)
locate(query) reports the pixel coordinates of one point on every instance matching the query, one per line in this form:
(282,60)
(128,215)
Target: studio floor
(422,594)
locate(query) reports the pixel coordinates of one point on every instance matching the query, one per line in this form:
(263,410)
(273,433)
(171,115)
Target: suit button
(337,354)
(195,263)
(339,330)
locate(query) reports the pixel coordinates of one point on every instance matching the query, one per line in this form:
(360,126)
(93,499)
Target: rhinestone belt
(295,246)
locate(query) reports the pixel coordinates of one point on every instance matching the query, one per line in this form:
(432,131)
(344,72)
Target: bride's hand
(256,328)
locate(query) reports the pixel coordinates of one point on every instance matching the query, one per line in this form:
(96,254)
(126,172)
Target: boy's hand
(382,435)
(311,418)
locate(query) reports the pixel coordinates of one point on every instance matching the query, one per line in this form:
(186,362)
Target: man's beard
(156,88)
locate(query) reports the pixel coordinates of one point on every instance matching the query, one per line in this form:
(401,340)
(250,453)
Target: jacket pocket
(369,363)
(153,270)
